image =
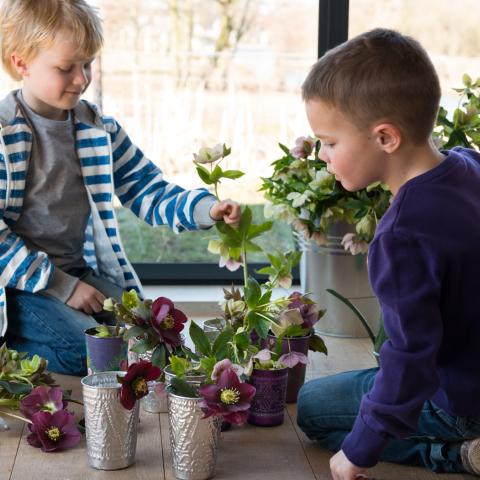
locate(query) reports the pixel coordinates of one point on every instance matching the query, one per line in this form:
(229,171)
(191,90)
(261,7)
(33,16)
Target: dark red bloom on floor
(167,321)
(228,397)
(134,383)
(53,431)
(42,399)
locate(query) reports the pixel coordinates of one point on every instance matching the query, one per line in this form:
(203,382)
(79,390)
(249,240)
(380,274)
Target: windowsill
(199,300)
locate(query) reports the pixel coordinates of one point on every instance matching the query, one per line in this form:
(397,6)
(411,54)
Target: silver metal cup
(152,402)
(193,440)
(111,429)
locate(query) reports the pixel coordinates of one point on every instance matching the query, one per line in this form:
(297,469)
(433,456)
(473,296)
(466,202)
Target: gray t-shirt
(55,208)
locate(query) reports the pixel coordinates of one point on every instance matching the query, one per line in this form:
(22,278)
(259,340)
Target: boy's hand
(86,299)
(343,469)
(228,211)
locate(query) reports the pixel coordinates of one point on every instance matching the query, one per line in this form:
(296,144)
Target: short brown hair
(379,75)
(26,26)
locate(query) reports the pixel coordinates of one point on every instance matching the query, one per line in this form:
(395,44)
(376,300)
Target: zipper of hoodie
(7,170)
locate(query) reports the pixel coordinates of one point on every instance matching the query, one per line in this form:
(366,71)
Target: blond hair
(380,75)
(27,26)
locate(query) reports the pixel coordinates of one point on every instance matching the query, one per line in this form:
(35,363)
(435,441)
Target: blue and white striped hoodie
(111,165)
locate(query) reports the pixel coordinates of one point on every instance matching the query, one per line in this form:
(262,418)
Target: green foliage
(19,375)
(464,127)
(305,194)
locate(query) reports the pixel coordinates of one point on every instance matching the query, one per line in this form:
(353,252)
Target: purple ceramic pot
(268,405)
(296,375)
(105,354)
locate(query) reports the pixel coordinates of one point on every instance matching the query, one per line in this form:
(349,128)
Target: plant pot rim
(272,335)
(269,369)
(183,397)
(93,329)
(113,373)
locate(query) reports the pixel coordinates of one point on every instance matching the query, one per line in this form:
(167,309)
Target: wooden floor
(245,453)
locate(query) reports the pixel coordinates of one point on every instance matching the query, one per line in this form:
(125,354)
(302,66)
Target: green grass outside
(146,244)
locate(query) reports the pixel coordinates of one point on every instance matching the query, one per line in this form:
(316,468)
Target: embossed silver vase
(111,429)
(193,440)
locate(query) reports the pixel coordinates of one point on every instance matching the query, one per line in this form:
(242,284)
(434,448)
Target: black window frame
(332,30)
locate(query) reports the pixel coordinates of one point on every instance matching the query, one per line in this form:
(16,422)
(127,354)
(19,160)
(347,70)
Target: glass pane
(449,32)
(180,74)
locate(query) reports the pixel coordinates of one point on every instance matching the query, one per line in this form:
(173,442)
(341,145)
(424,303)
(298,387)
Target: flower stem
(18,417)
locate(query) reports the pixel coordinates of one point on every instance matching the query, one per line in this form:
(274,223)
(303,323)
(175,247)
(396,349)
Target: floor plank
(72,464)
(9,443)
(252,453)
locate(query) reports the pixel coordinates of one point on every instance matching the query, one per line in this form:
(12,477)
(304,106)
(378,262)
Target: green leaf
(232,174)
(265,271)
(284,148)
(207,364)
(220,346)
(252,247)
(179,365)
(141,346)
(256,230)
(241,340)
(102,331)
(133,332)
(252,292)
(15,388)
(260,324)
(216,174)
(200,339)
(159,356)
(245,221)
(180,387)
(204,175)
(317,344)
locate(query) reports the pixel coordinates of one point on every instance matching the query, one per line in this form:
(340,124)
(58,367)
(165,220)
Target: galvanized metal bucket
(330,266)
(111,429)
(193,440)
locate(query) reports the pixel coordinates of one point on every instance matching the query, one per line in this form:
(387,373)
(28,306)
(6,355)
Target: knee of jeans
(70,361)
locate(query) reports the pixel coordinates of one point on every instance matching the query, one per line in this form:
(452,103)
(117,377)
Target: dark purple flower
(167,321)
(228,397)
(42,399)
(53,431)
(134,383)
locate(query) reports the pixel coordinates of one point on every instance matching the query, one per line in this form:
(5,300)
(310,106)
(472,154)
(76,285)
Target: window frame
(332,30)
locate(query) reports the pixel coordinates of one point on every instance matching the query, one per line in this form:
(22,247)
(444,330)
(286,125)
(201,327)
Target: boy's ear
(387,136)
(19,65)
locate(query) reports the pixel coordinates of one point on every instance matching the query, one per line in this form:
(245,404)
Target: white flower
(210,155)
(351,243)
(299,198)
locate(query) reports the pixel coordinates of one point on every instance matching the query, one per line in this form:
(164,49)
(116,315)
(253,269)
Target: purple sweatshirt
(424,267)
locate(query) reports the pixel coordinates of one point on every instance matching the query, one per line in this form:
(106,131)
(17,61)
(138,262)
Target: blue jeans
(43,325)
(327,408)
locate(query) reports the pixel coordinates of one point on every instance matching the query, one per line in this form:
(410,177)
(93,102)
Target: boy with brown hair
(61,163)
(372,102)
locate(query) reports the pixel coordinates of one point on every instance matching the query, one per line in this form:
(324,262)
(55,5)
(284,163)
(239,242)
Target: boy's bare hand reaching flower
(86,299)
(228,211)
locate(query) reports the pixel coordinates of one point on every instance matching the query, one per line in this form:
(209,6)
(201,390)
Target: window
(177,76)
(448,32)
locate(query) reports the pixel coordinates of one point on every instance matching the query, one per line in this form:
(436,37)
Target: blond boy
(373,102)
(61,163)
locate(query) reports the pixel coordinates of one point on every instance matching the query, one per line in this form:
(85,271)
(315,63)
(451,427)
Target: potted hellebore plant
(330,223)
(111,414)
(293,331)
(204,388)
(106,348)
(153,330)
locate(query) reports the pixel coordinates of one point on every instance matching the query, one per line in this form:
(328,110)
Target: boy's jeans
(327,408)
(43,325)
